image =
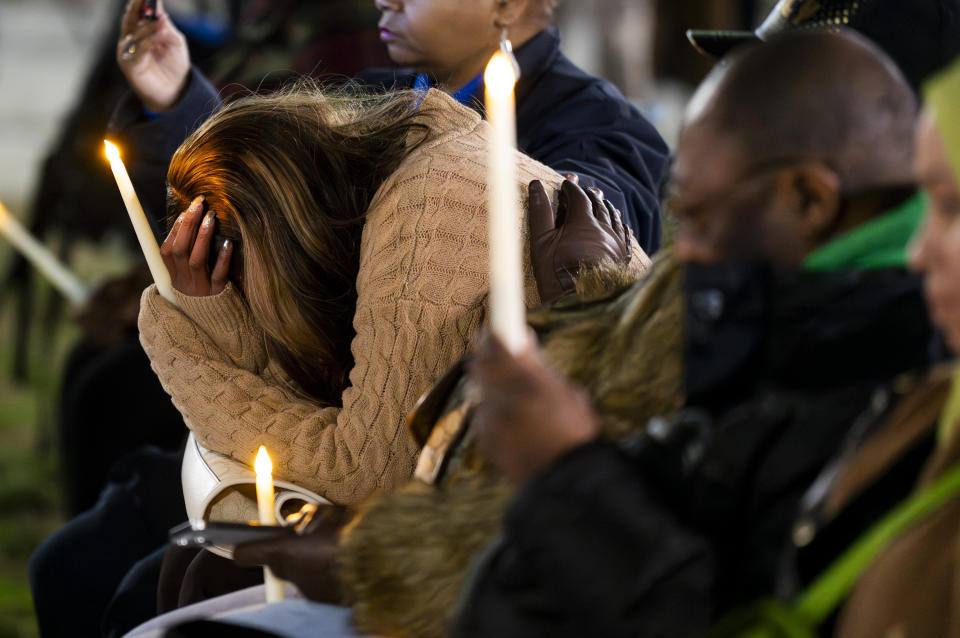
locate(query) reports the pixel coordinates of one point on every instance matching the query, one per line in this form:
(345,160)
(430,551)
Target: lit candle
(265,506)
(44,261)
(148,243)
(507,317)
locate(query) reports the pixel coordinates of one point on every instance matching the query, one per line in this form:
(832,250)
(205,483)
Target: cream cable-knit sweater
(421,295)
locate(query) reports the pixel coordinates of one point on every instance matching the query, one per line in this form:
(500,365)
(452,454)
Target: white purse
(219,488)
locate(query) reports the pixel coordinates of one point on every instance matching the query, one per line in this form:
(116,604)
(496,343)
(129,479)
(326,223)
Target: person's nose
(918,251)
(388,5)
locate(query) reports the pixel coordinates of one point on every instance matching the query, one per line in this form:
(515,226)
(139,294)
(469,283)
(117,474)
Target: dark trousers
(98,574)
(111,404)
(190,576)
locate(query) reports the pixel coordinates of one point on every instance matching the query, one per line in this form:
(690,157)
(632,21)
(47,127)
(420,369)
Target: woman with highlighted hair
(352,272)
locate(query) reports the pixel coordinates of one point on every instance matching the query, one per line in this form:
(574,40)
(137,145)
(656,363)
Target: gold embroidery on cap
(799,11)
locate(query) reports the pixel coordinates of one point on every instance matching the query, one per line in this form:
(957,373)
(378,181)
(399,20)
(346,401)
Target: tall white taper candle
(148,243)
(265,506)
(507,316)
(42,259)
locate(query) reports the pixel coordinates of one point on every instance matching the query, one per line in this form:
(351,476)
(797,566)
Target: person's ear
(509,12)
(817,189)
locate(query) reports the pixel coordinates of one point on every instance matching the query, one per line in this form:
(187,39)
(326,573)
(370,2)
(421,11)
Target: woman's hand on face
(154,57)
(186,253)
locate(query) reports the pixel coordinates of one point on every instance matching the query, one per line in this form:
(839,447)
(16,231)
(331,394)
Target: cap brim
(717,44)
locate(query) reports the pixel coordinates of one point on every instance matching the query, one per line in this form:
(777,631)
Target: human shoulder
(446,120)
(564,97)
(451,149)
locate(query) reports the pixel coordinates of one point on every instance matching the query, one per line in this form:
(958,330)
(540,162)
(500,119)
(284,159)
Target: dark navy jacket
(567,119)
(575,122)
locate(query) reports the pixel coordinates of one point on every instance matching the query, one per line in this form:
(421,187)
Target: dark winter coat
(778,365)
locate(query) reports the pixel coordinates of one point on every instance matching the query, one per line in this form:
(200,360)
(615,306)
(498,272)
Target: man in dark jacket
(658,534)
(566,118)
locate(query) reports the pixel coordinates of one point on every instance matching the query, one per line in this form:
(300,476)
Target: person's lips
(386,35)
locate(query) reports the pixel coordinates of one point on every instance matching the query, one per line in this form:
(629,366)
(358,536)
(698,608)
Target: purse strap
(825,594)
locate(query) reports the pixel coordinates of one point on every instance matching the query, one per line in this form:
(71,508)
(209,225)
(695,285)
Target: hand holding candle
(148,243)
(265,506)
(507,317)
(44,261)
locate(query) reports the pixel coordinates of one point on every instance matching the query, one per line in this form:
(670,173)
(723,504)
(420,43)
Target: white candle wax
(148,243)
(507,315)
(265,507)
(42,259)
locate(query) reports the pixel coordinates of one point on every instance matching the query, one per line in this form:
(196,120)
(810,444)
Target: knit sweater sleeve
(342,454)
(225,318)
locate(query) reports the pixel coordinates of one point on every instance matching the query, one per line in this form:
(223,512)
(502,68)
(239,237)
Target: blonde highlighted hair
(290,177)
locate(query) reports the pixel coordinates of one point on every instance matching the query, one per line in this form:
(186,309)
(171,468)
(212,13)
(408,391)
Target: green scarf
(879,243)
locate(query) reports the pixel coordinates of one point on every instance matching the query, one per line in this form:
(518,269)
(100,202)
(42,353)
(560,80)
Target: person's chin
(400,54)
(952,337)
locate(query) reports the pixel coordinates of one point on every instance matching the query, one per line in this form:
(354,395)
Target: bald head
(816,94)
(789,144)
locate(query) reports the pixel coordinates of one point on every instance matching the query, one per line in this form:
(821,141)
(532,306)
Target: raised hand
(154,57)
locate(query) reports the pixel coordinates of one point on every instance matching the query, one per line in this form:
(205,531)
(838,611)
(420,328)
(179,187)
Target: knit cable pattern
(421,296)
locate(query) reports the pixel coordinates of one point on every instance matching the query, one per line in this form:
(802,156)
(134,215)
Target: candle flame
(499,77)
(263,466)
(113,153)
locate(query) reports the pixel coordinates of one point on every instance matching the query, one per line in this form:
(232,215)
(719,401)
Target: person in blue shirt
(566,118)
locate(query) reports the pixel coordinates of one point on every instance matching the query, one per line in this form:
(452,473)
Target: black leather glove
(306,560)
(585,231)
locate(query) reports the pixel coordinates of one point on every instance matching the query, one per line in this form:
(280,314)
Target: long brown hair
(291,176)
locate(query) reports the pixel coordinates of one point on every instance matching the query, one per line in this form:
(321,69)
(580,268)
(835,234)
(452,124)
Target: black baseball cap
(922,36)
